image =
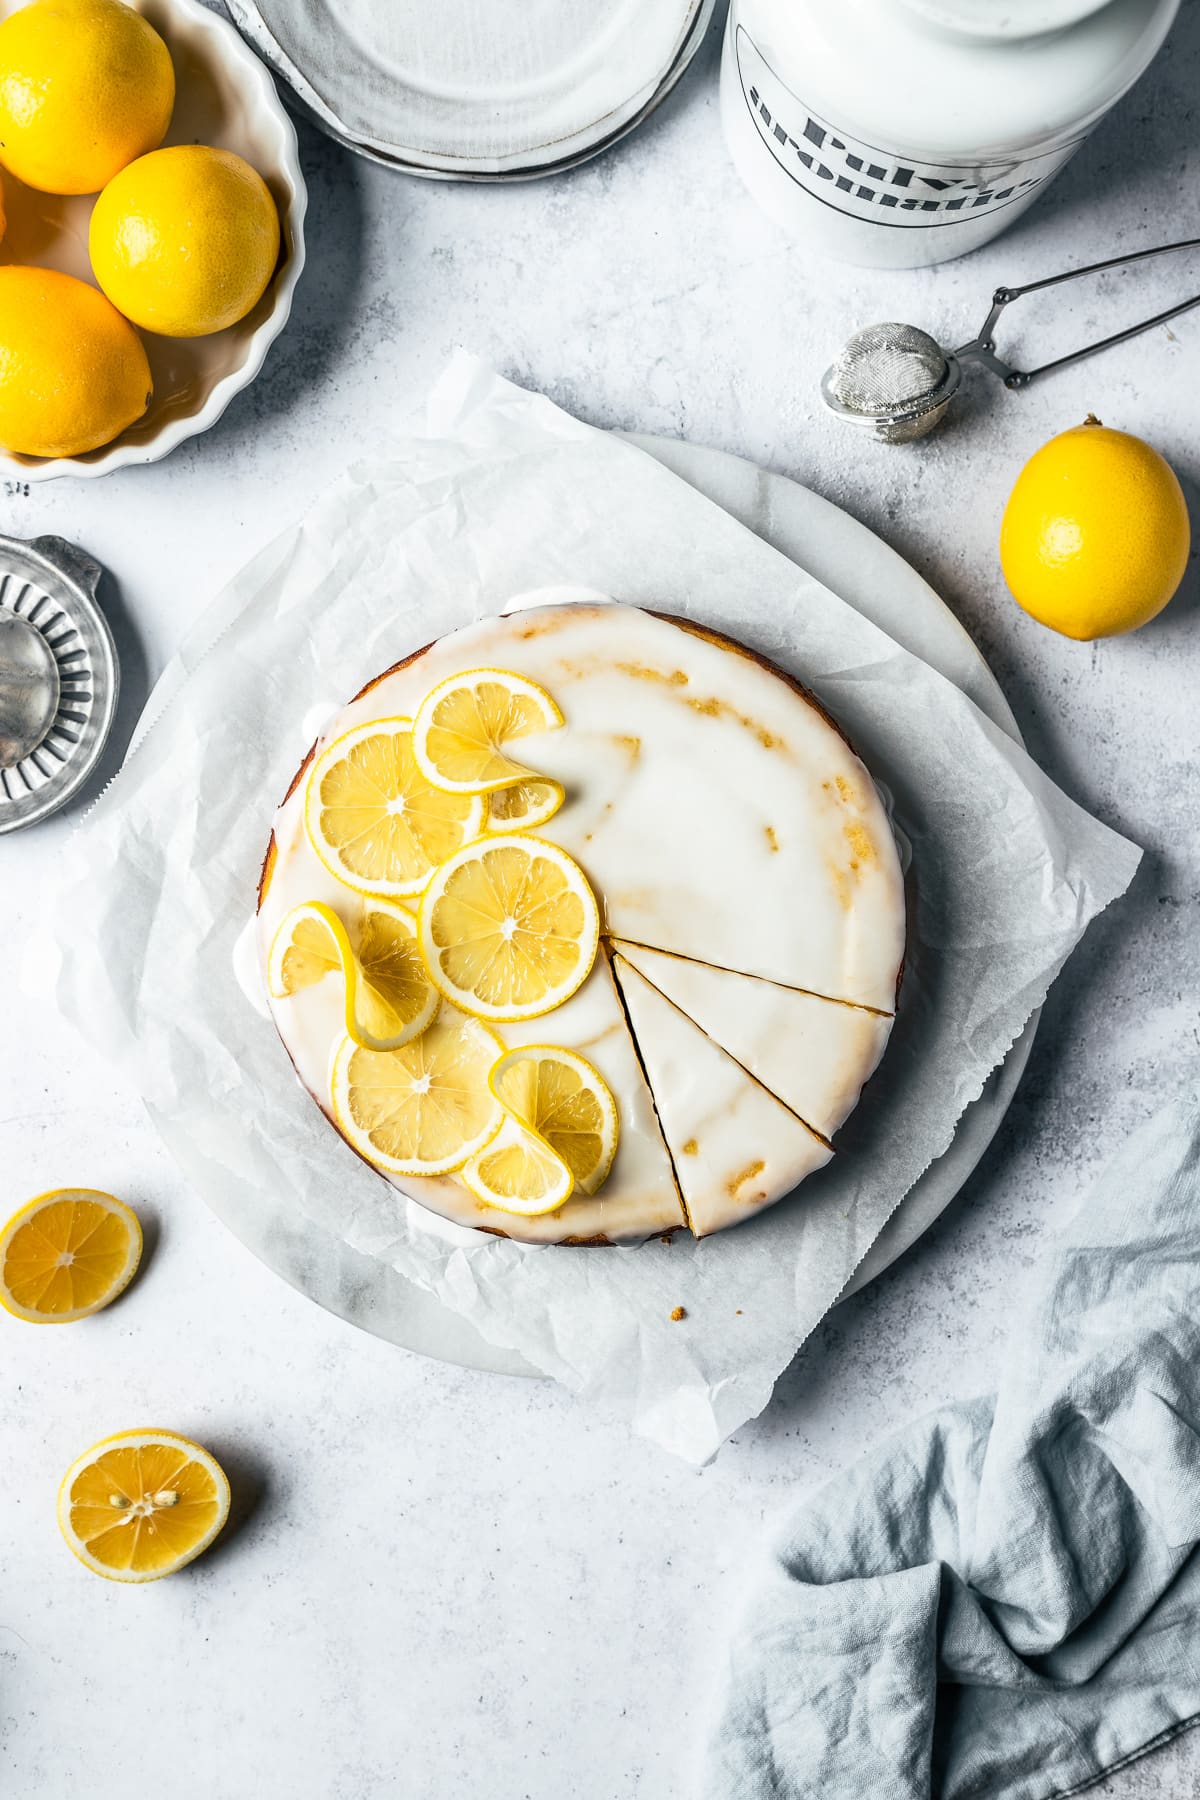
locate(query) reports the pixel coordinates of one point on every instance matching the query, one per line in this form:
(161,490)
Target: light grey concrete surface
(439,1582)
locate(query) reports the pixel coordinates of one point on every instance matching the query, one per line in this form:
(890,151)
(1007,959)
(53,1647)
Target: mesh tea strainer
(896,381)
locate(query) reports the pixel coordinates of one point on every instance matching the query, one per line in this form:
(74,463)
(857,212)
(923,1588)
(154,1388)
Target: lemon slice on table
(373,818)
(390,999)
(424,1109)
(560,1096)
(525,806)
(464,726)
(509,927)
(518,1172)
(67,1254)
(142,1504)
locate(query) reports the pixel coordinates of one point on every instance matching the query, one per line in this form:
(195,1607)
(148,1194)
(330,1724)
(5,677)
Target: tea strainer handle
(982,349)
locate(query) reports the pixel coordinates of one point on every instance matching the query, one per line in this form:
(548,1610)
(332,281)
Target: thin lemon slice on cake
(142,1504)
(424,1109)
(518,1172)
(67,1254)
(374,819)
(560,1096)
(525,806)
(465,724)
(509,927)
(390,999)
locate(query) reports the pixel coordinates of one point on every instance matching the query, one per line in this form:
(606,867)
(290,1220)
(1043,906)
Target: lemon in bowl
(85,87)
(73,371)
(185,240)
(1095,537)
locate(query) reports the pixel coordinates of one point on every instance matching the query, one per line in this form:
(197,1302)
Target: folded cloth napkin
(1004,1599)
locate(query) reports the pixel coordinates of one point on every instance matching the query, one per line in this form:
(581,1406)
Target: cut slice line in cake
(736,1148)
(813,1054)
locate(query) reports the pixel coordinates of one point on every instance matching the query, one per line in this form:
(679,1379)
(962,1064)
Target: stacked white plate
(477,90)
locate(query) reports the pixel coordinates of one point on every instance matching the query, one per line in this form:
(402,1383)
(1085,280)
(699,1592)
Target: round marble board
(863,571)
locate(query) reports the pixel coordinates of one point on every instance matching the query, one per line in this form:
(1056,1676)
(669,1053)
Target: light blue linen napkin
(1004,1599)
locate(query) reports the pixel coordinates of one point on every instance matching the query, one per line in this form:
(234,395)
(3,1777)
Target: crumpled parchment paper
(499,493)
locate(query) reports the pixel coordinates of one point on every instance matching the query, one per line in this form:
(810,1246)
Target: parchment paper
(499,493)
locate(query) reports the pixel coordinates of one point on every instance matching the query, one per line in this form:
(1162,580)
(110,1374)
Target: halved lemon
(567,1102)
(373,818)
(67,1254)
(519,1173)
(465,724)
(509,927)
(142,1504)
(390,999)
(525,806)
(425,1109)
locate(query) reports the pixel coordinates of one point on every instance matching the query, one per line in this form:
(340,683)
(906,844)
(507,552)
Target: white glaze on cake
(735,1147)
(812,1054)
(720,816)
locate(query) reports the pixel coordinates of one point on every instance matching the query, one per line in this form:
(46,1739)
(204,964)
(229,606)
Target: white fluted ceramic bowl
(224,96)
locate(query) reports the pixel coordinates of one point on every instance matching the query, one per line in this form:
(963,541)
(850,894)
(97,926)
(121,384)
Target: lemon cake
(584,924)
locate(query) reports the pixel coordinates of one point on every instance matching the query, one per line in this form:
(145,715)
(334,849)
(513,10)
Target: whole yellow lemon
(73,372)
(85,86)
(185,240)
(1095,537)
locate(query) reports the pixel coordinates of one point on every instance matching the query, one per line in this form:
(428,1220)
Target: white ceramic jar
(899,133)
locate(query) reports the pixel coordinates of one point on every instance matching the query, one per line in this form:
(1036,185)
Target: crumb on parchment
(678,1312)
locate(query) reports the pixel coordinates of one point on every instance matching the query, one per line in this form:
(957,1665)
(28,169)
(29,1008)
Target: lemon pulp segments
(142,1504)
(424,1109)
(509,927)
(67,1254)
(524,806)
(519,1173)
(389,997)
(373,818)
(561,1097)
(464,724)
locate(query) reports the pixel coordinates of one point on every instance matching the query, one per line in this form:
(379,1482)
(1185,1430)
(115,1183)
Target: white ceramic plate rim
(551,159)
(230,48)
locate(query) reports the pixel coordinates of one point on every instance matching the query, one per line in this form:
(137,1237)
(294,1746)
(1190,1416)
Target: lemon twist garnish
(464,726)
(558,1094)
(389,999)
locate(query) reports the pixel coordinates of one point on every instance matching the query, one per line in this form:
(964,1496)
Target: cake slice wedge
(736,1148)
(813,1054)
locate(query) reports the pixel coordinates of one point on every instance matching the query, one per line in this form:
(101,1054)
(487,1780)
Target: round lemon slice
(67,1254)
(509,927)
(374,819)
(519,1173)
(425,1109)
(525,806)
(465,724)
(390,999)
(560,1096)
(142,1504)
